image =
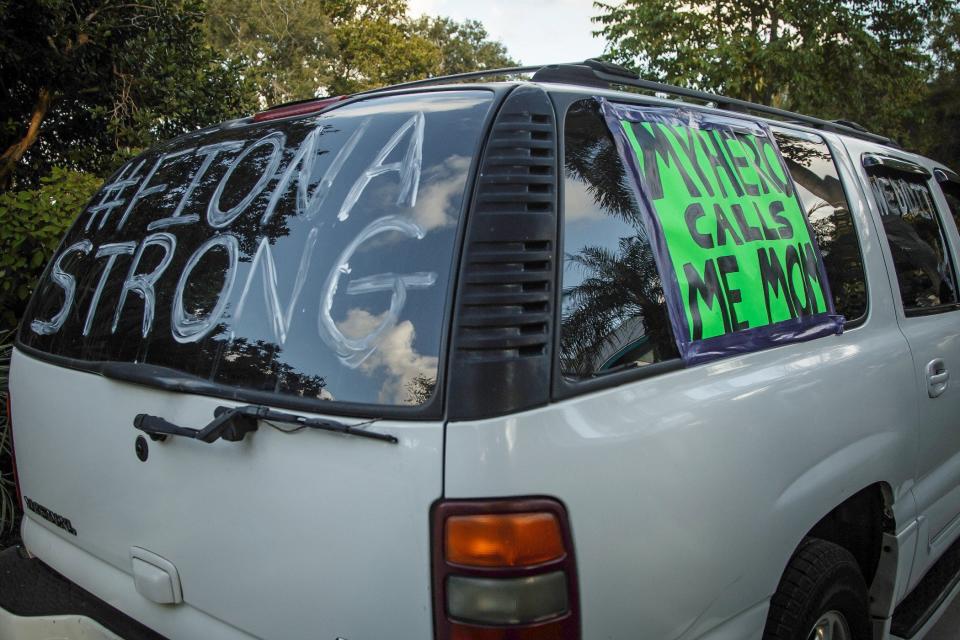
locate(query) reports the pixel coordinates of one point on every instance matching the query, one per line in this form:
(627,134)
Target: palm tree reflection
(614,312)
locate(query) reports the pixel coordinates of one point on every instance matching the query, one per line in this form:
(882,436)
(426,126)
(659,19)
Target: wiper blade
(233,423)
(269,415)
(155,376)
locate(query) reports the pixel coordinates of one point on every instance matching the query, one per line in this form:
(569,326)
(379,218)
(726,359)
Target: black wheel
(821,596)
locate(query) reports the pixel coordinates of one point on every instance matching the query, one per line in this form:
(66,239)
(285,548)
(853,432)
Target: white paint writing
(209,152)
(353,351)
(111,193)
(401,155)
(69,285)
(307,204)
(218,218)
(186,326)
(408,167)
(143,191)
(142,283)
(111,250)
(320,195)
(280,319)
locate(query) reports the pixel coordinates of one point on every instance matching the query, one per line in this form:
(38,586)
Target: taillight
(13,454)
(504,570)
(297,108)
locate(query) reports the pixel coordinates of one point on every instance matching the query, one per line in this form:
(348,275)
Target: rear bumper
(36,603)
(52,628)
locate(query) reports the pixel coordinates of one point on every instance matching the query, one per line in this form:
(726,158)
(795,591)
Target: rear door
(921,254)
(301,266)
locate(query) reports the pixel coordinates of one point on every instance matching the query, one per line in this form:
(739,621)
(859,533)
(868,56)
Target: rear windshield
(307,257)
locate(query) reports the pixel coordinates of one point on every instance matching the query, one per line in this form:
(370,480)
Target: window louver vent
(502,327)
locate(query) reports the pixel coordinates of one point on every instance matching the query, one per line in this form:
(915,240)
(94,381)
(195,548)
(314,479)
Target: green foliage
(282,46)
(940,138)
(8,492)
(374,45)
(296,49)
(860,60)
(34,220)
(463,46)
(117,76)
(86,84)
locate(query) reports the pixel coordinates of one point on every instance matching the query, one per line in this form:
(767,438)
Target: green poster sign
(729,225)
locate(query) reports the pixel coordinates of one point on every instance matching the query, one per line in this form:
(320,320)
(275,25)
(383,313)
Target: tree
(34,221)
(86,83)
(298,49)
(463,46)
(941,134)
(862,60)
(375,46)
(618,288)
(283,46)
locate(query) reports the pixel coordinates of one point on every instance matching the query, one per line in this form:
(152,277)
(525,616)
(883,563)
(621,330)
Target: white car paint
(284,535)
(687,492)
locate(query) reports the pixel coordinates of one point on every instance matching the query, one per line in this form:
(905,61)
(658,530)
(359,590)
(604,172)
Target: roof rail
(615,74)
(599,73)
(469,75)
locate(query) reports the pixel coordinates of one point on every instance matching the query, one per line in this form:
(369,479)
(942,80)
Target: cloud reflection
(409,375)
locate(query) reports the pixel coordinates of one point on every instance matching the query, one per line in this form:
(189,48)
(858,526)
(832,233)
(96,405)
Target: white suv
(497,361)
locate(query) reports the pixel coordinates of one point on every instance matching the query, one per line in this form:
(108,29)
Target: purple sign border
(798,329)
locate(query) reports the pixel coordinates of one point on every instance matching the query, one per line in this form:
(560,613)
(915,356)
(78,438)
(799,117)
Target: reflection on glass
(307,257)
(951,191)
(821,194)
(614,312)
(916,240)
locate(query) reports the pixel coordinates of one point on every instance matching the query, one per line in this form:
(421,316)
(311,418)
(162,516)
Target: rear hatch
(298,265)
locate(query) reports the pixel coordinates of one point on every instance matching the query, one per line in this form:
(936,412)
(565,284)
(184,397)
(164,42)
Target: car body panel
(686,495)
(687,492)
(309,520)
(930,337)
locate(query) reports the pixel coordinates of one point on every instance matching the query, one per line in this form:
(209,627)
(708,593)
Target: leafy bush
(8,499)
(32,221)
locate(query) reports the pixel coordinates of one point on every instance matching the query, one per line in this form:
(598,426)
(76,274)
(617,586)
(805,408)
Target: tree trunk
(10,157)
(770,83)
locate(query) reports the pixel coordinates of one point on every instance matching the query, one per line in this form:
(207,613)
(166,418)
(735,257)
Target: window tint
(821,194)
(924,270)
(951,191)
(614,313)
(306,257)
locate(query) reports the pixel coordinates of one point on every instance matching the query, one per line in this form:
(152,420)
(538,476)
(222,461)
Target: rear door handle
(937,377)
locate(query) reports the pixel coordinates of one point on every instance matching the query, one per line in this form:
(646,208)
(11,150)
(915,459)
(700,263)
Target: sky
(534,31)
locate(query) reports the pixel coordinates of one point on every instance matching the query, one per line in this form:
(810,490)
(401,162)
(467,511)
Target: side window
(821,194)
(924,270)
(951,191)
(614,313)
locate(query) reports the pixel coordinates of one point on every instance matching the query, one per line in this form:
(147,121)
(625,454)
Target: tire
(822,583)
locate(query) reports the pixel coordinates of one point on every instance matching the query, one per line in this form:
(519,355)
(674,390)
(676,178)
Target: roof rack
(469,75)
(598,73)
(615,74)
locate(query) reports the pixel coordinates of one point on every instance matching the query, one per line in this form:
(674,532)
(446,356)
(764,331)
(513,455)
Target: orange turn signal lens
(503,540)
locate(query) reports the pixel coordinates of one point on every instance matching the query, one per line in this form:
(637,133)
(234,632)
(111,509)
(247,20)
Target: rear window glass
(951,191)
(614,311)
(308,257)
(821,193)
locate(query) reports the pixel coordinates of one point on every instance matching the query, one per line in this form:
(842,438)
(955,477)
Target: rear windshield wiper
(234,423)
(156,376)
